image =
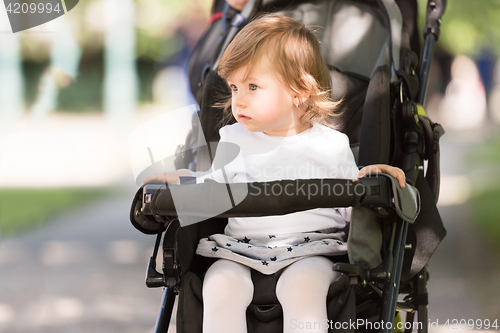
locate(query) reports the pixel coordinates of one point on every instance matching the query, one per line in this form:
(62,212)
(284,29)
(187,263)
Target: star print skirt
(270,253)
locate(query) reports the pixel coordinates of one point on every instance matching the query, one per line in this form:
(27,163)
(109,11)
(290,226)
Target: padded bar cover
(259,199)
(211,199)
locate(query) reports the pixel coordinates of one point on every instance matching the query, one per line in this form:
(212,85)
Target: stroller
(393,232)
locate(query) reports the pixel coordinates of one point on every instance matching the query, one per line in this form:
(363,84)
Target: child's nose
(240,100)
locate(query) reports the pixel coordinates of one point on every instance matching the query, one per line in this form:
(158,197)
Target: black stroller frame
(153,211)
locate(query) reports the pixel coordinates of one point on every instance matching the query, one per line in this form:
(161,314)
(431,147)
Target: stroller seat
(373,68)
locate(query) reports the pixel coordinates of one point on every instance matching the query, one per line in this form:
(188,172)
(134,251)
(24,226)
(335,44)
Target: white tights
(301,290)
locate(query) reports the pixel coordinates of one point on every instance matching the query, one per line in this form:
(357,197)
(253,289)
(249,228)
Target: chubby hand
(384,168)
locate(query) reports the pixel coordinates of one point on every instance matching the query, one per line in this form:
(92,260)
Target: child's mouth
(243,117)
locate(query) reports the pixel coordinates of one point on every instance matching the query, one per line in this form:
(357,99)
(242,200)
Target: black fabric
(409,10)
(375,134)
(425,234)
(262,318)
(432,133)
(264,288)
(210,115)
(207,196)
(341,307)
(351,88)
(190,305)
(185,154)
(365,238)
(408,68)
(265,312)
(188,238)
(205,50)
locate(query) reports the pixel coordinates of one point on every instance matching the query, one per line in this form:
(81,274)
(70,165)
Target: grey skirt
(270,253)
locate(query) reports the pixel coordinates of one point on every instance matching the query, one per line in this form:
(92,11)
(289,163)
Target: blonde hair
(294,52)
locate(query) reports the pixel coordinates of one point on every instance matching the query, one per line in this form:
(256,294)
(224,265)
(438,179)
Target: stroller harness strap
(396,26)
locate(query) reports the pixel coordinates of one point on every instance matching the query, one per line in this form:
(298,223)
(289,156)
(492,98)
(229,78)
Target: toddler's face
(262,103)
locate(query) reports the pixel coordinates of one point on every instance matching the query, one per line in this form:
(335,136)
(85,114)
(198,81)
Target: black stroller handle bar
(209,199)
(435,10)
(212,199)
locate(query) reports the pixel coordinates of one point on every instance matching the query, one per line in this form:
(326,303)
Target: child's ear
(301,96)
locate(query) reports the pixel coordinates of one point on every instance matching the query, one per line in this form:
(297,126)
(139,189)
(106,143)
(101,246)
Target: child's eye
(253,87)
(233,87)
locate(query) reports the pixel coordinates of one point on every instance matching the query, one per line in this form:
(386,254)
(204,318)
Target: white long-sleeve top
(319,152)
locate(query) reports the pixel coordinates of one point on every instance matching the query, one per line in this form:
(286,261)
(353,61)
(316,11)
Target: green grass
(485,200)
(487,153)
(486,206)
(23,210)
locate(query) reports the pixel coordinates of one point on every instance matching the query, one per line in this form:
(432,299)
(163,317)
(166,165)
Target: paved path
(464,273)
(85,273)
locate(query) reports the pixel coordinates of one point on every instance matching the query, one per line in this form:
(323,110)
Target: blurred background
(71,92)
